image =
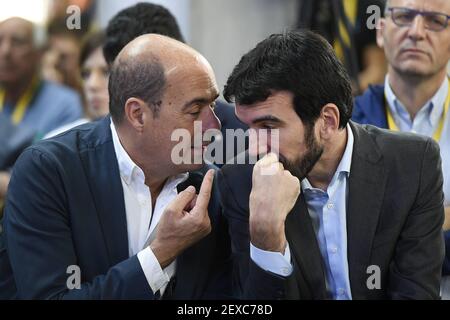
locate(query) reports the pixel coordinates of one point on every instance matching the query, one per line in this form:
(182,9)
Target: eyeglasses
(404,17)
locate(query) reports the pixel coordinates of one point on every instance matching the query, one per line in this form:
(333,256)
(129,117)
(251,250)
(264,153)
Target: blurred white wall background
(32,10)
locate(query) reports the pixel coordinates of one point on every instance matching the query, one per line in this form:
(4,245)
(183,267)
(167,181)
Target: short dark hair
(135,78)
(135,21)
(91,42)
(301,62)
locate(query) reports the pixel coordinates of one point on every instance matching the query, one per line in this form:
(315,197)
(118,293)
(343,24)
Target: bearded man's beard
(304,165)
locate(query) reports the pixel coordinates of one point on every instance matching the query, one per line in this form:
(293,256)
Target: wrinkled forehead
(191,71)
(279,104)
(185,64)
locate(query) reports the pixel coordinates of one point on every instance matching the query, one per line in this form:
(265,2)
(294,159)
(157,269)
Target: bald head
(33,33)
(19,50)
(172,54)
(19,24)
(144,67)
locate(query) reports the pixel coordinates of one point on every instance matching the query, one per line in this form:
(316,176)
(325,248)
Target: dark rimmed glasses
(404,17)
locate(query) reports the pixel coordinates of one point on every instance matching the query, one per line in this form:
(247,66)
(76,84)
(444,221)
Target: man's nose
(5,47)
(417,29)
(93,81)
(210,120)
(258,143)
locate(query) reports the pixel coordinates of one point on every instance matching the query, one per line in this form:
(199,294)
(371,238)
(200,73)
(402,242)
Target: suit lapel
(102,171)
(366,191)
(305,249)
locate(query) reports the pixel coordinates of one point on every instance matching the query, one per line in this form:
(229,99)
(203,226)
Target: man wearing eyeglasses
(415,97)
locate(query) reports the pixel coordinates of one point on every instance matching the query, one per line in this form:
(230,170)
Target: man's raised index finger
(205,190)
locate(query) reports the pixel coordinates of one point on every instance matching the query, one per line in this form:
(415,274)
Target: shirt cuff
(156,277)
(274,262)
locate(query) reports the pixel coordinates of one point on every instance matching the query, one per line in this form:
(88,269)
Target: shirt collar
(434,106)
(438,101)
(344,164)
(127,166)
(346,161)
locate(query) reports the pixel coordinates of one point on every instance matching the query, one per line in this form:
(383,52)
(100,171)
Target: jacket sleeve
(415,271)
(250,282)
(39,240)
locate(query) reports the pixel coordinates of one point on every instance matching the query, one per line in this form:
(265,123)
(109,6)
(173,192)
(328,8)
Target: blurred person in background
(30,103)
(94,75)
(415,96)
(344,24)
(60,61)
(58,9)
(61,58)
(135,21)
(144,18)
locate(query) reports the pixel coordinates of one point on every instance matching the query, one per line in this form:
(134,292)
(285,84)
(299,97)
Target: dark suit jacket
(394,221)
(65,207)
(370,108)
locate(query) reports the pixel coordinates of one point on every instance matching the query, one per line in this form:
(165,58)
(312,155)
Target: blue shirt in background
(53,106)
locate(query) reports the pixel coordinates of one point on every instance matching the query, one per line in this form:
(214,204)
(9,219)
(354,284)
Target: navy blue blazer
(369,108)
(65,207)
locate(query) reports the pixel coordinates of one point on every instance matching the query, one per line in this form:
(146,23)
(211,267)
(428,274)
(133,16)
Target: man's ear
(330,118)
(380,31)
(135,113)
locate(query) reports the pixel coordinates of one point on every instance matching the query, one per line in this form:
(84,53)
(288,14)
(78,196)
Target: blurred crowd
(51,79)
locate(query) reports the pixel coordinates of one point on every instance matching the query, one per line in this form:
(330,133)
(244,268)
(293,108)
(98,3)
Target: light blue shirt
(426,122)
(53,106)
(328,214)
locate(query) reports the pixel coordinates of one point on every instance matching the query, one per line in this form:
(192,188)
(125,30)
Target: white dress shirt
(274,262)
(142,219)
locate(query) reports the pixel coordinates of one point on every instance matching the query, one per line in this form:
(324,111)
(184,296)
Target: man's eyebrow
(200,101)
(266,118)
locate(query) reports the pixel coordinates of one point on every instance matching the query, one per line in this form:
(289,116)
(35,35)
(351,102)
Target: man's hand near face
(274,193)
(184,222)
